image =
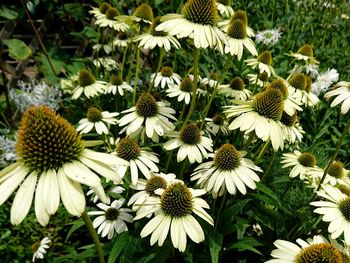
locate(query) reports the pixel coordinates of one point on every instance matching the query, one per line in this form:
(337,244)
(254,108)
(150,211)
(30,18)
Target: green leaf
(17,49)
(215,245)
(8,12)
(247,243)
(118,247)
(75,225)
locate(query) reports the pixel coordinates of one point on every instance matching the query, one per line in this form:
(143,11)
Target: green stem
(262,151)
(269,167)
(249,141)
(182,113)
(221,77)
(161,55)
(94,236)
(195,80)
(123,61)
(168,161)
(136,75)
(128,76)
(223,201)
(345,131)
(183,168)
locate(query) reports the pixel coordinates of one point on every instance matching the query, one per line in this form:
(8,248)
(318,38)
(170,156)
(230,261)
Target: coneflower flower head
(201,12)
(265,57)
(306,50)
(144,11)
(269,104)
(85,78)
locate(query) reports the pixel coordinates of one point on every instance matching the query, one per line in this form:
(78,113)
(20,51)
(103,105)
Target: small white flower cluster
(324,81)
(268,37)
(7,150)
(30,94)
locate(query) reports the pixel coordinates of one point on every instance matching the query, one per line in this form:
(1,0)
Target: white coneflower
(236,89)
(101,11)
(138,159)
(261,115)
(157,38)
(40,248)
(95,119)
(302,86)
(324,81)
(182,91)
(173,212)
(198,21)
(225,9)
(117,85)
(148,116)
(217,124)
(88,85)
(240,15)
(317,249)
(211,80)
(52,163)
(142,16)
(290,104)
(147,188)
(268,37)
(191,143)
(335,211)
(165,77)
(302,163)
(305,53)
(227,171)
(263,62)
(115,190)
(109,20)
(106,63)
(121,40)
(111,219)
(237,38)
(342,92)
(291,128)
(258,79)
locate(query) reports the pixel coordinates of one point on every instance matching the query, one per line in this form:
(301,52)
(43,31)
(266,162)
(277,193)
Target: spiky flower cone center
(203,87)
(176,200)
(306,50)
(218,119)
(308,87)
(227,157)
(265,58)
(104,7)
(237,83)
(46,140)
(224,2)
(128,149)
(237,29)
(263,76)
(112,13)
(166,71)
(85,78)
(36,246)
(94,115)
(336,169)
(122,36)
(213,75)
(344,189)
(155,183)
(307,159)
(240,15)
(144,12)
(319,253)
(289,120)
(153,30)
(116,80)
(190,134)
(344,207)
(112,214)
(201,12)
(269,104)
(298,81)
(147,106)
(186,85)
(278,84)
